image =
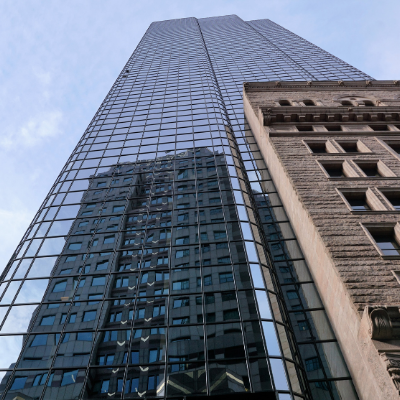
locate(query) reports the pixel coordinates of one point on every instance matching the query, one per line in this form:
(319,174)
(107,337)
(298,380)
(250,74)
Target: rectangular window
(225,277)
(181,285)
(102,265)
(182,302)
(69,377)
(386,239)
(99,281)
(109,239)
(394,198)
(357,201)
(89,316)
(49,320)
(312,364)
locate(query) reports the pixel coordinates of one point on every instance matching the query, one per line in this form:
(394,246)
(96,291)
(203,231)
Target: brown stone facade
(332,149)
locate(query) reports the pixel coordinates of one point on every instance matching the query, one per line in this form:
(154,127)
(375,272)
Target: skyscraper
(162,263)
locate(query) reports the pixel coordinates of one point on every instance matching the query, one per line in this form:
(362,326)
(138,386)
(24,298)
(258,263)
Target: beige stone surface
(349,272)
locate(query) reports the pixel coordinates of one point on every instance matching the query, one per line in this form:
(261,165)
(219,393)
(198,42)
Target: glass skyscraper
(162,264)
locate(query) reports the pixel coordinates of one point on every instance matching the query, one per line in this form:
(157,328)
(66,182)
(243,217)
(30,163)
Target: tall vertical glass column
(161,264)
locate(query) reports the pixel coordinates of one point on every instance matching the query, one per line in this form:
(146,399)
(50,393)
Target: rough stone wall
(347,268)
(366,274)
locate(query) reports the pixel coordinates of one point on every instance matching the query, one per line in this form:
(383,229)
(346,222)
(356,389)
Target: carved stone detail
(384,322)
(392,363)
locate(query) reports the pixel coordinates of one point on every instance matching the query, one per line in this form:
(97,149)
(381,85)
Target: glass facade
(162,264)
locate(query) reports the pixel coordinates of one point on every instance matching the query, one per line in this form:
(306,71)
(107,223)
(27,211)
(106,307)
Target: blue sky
(60,58)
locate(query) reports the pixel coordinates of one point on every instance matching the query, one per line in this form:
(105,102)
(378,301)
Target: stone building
(332,149)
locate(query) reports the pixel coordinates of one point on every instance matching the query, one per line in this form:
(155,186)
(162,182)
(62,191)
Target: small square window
(333,128)
(334,170)
(393,197)
(369,169)
(349,147)
(317,147)
(357,201)
(386,239)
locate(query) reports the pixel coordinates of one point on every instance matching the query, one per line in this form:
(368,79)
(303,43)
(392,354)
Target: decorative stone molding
(392,364)
(384,322)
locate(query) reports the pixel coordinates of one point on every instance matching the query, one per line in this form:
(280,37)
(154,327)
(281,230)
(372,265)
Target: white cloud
(33,131)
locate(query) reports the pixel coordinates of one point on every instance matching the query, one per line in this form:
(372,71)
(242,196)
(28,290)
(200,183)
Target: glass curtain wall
(151,270)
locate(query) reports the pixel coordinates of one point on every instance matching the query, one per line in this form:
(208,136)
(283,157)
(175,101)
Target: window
(87,213)
(87,269)
(109,239)
(94,297)
(140,313)
(49,320)
(41,380)
(69,377)
(165,234)
(83,223)
(292,294)
(182,240)
(75,246)
(72,318)
(379,127)
(308,103)
(66,271)
(39,340)
(118,209)
(393,197)
(98,281)
(357,201)
(231,314)
(89,316)
(317,147)
(181,321)
(110,336)
(155,355)
(334,170)
(219,235)
(183,217)
(19,382)
(181,302)
(158,310)
(153,382)
(207,280)
(182,253)
(386,240)
(182,174)
(285,103)
(84,336)
(395,145)
(101,184)
(312,364)
(369,169)
(180,285)
(81,283)
(349,147)
(227,296)
(102,265)
(346,103)
(224,260)
(121,282)
(304,326)
(304,128)
(93,205)
(225,277)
